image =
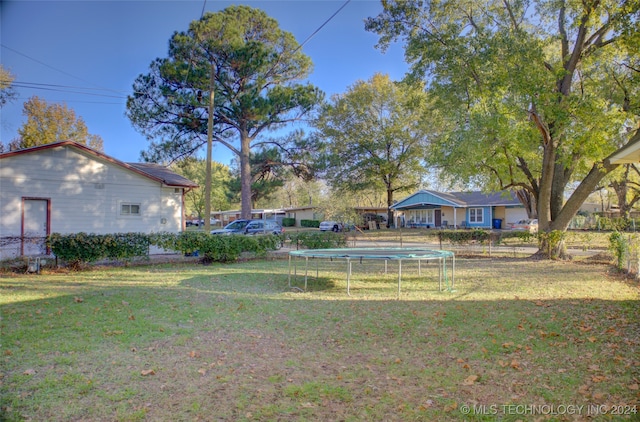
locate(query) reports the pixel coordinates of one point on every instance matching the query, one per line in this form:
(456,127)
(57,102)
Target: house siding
(421,209)
(85,194)
(486,217)
(426,199)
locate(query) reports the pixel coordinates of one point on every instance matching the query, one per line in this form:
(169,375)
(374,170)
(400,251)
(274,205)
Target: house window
(476,215)
(130,209)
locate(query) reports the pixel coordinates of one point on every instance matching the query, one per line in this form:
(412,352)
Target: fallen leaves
(451,407)
(470,380)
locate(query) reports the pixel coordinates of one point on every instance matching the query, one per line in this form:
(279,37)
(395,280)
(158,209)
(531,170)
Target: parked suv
(251,227)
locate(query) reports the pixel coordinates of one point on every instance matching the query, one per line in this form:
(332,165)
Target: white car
(530,226)
(333,226)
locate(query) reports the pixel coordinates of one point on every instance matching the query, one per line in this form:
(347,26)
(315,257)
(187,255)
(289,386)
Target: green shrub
(222,248)
(77,249)
(186,242)
(463,236)
(288,222)
(619,246)
(310,223)
(82,248)
(616,223)
(319,240)
(125,245)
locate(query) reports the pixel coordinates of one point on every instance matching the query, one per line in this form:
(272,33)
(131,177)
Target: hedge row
(482,236)
(82,248)
(318,240)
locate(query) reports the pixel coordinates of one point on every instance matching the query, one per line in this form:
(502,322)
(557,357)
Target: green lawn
(233,342)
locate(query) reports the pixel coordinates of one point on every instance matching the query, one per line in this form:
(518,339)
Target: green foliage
(256,70)
(7,91)
(552,243)
(523,235)
(615,223)
(221,248)
(288,222)
(375,136)
(186,242)
(82,248)
(78,248)
(464,236)
(194,169)
(125,245)
(619,246)
(48,123)
(513,103)
(310,223)
(319,240)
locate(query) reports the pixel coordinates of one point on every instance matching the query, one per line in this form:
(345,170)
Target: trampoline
(387,254)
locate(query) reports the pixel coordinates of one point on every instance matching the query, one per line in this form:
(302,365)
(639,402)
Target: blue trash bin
(497,223)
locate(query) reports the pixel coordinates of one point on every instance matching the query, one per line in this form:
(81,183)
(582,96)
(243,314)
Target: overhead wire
(72,89)
(321,26)
(66,88)
(54,68)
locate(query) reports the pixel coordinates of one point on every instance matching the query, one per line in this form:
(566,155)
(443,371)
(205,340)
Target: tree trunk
(558,186)
(546,185)
(550,246)
(621,190)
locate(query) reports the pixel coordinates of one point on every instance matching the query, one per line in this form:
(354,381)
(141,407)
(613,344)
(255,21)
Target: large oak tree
(52,122)
(375,136)
(255,69)
(533,94)
(7,92)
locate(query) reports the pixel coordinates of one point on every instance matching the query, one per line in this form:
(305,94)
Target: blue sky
(105,45)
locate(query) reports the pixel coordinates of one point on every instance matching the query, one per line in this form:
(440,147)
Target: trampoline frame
(386,254)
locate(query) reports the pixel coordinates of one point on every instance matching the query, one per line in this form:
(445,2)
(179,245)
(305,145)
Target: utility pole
(207,183)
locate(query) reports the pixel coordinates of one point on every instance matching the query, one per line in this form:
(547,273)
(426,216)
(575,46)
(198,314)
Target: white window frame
(130,205)
(476,215)
(422,216)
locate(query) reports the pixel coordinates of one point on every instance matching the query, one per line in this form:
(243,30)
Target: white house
(65,187)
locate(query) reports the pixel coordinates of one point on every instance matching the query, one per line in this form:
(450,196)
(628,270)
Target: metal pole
(207,183)
(348,276)
(399,276)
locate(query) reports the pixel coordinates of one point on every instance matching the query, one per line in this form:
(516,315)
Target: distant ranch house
(432,209)
(65,187)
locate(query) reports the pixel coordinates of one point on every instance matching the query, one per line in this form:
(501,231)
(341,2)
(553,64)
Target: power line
(74,101)
(54,68)
(65,88)
(322,26)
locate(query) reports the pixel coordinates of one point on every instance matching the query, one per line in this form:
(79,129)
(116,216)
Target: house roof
(152,171)
(168,177)
(457,199)
(629,153)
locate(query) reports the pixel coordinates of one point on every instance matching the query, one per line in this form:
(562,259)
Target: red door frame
(32,198)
